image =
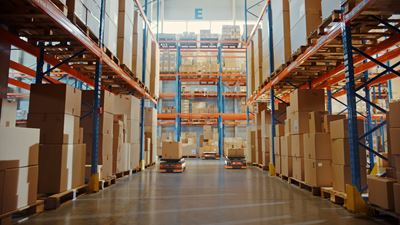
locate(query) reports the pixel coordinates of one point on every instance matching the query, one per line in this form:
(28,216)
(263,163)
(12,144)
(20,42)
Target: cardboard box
(394,160)
(287,126)
(8,114)
(189,150)
(316,121)
(342,176)
(298,168)
(279,130)
(286,146)
(62,98)
(297,145)
(286,165)
(104,152)
(134,156)
(235,153)
(277,145)
(171,150)
(328,119)
(394,141)
(394,112)
(299,123)
(317,146)
(339,128)
(307,100)
(278,164)
(78,165)
(107,101)
(56,128)
(318,173)
(380,192)
(341,152)
(106,123)
(18,186)
(25,149)
(396,194)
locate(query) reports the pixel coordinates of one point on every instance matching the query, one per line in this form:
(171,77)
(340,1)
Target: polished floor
(205,193)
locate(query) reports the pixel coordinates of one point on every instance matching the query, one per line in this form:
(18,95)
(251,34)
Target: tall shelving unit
(350,75)
(217,80)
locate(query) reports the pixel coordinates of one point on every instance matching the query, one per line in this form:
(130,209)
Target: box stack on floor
(189,144)
(150,128)
(234,147)
(61,152)
(19,161)
(208,140)
(384,192)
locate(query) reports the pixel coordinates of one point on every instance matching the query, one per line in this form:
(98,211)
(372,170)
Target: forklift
(172,165)
(235,163)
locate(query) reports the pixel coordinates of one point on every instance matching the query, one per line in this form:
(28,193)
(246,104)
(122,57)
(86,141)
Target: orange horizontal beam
(204,95)
(19,84)
(234,50)
(225,116)
(28,71)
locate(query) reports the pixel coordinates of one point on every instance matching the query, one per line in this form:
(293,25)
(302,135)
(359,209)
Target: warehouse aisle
(205,194)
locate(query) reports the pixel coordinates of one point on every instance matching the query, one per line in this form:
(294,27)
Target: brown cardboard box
(318,173)
(341,152)
(396,200)
(339,128)
(8,113)
(78,166)
(287,126)
(286,165)
(307,100)
(299,123)
(235,153)
(380,192)
(395,162)
(277,145)
(298,168)
(189,149)
(342,176)
(394,141)
(171,150)
(297,145)
(107,101)
(106,124)
(317,146)
(286,146)
(328,119)
(316,121)
(279,130)
(56,128)
(105,149)
(394,112)
(8,185)
(55,98)
(278,164)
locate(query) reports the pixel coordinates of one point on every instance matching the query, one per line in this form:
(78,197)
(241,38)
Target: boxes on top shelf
(8,113)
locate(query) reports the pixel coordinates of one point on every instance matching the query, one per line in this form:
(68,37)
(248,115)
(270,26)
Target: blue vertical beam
(382,129)
(247,64)
(368,122)
(178,96)
(97,96)
(329,94)
(40,64)
(351,105)
(220,104)
(142,101)
(272,69)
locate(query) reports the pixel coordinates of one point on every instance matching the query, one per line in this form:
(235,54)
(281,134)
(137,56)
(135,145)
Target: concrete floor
(205,193)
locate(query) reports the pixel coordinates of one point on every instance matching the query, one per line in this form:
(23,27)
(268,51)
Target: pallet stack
(19,161)
(62,152)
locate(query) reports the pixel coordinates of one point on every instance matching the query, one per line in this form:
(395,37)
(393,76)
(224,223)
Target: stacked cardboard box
(381,192)
(233,143)
(189,144)
(209,140)
(279,134)
(18,162)
(106,117)
(61,151)
(150,125)
(171,150)
(125,32)
(155,69)
(305,17)
(137,45)
(302,102)
(341,155)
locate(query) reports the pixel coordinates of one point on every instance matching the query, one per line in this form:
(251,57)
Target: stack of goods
(121,147)
(167,62)
(305,17)
(279,134)
(61,152)
(230,33)
(185,106)
(171,150)
(105,159)
(209,40)
(125,32)
(137,45)
(317,152)
(209,140)
(154,70)
(167,37)
(234,147)
(199,107)
(18,161)
(189,144)
(341,155)
(150,127)
(385,191)
(188,39)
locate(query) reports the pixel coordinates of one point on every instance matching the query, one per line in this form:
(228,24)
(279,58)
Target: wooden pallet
(149,165)
(316,191)
(336,197)
(56,200)
(190,156)
(22,213)
(123,174)
(107,182)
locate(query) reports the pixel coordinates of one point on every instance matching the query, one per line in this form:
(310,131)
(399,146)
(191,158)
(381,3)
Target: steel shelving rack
(220,119)
(41,28)
(366,36)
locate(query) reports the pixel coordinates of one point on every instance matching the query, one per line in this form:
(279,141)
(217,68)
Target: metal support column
(94,178)
(272,93)
(40,64)
(329,94)
(368,122)
(247,64)
(178,97)
(220,104)
(351,105)
(142,101)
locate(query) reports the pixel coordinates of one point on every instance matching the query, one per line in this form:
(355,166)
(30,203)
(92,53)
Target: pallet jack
(235,163)
(172,165)
(210,155)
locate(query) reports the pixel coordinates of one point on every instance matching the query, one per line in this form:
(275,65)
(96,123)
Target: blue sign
(198,13)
